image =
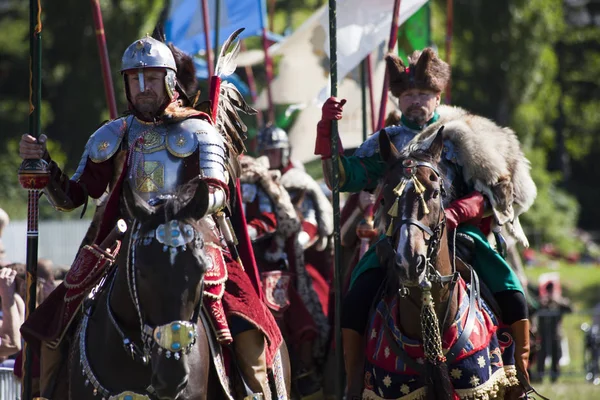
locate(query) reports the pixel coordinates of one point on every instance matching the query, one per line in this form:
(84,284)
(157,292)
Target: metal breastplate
(156,167)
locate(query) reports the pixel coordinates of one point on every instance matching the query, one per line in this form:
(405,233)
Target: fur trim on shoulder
(255,172)
(176,112)
(491,159)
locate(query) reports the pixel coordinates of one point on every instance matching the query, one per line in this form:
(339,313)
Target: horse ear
(437,145)
(194,196)
(136,207)
(386,148)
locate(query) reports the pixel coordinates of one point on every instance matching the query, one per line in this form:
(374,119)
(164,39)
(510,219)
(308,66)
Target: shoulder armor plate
(182,139)
(105,142)
(249,191)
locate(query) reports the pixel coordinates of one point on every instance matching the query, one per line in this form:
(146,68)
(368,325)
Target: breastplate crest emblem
(150,177)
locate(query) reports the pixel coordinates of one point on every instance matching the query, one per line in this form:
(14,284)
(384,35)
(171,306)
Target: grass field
(581,284)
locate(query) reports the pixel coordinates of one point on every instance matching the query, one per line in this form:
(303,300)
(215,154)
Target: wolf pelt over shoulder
(491,159)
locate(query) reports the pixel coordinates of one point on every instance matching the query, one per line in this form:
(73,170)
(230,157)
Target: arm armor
(67,194)
(212,154)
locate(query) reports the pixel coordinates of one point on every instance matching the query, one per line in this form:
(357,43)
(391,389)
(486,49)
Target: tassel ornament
(399,189)
(390,229)
(393,212)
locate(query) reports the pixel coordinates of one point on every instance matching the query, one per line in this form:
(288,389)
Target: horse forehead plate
(129,396)
(173,234)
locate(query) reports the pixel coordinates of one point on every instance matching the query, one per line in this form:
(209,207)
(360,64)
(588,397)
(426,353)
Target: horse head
(413,205)
(165,274)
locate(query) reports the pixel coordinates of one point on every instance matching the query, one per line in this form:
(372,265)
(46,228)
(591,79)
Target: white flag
(362,25)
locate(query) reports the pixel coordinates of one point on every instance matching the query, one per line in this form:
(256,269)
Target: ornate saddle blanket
(479,371)
(53,317)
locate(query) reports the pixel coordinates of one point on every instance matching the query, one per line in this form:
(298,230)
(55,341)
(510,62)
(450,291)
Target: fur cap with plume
(425,71)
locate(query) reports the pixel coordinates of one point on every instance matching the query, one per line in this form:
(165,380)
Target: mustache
(416,108)
(145,96)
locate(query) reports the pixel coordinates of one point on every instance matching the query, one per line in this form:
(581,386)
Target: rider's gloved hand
(32,148)
(466,209)
(331,110)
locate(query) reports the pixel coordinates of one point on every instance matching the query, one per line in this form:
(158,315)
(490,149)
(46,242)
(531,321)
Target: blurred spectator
(592,347)
(529,256)
(549,318)
(12,316)
(46,280)
(4,220)
(59,274)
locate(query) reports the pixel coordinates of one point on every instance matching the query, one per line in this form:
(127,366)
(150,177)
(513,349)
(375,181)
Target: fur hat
(425,71)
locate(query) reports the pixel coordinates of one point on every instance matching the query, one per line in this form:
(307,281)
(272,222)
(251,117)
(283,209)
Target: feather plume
(231,102)
(226,63)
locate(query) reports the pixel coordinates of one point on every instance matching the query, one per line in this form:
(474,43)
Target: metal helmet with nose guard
(148,52)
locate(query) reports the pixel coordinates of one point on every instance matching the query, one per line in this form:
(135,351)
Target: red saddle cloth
(53,317)
(240,299)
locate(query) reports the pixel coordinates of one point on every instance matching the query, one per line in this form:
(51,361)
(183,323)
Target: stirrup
(529,389)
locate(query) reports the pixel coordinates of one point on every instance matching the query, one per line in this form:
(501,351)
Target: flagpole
(449,34)
(363,97)
(206,23)
(371,97)
(272,15)
(109,90)
(33,176)
(217,27)
(253,96)
(391,44)
(339,358)
(268,63)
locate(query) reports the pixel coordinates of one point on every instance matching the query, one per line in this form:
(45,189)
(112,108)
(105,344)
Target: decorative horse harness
(428,275)
(172,339)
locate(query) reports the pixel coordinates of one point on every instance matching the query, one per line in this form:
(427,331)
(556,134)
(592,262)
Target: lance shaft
(339,358)
(33,176)
(449,29)
(109,90)
(206,23)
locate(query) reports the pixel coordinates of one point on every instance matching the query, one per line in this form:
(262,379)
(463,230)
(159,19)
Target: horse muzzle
(412,272)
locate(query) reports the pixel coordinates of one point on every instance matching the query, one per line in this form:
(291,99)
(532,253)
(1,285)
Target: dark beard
(147,108)
(417,115)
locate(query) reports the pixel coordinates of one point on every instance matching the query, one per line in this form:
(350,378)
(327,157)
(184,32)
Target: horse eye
(433,177)
(436,193)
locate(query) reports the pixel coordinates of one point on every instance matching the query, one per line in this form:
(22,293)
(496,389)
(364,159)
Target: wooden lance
(34,175)
(339,358)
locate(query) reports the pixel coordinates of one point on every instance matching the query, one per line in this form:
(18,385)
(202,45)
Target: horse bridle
(177,337)
(429,273)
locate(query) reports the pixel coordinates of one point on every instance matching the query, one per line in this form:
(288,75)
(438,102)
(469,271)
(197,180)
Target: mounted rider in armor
(156,148)
(418,87)
(274,227)
(313,271)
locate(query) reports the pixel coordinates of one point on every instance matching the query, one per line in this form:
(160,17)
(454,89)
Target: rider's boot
(353,344)
(305,379)
(51,363)
(250,351)
(520,333)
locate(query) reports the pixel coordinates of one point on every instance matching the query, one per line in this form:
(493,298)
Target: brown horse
(146,336)
(427,316)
